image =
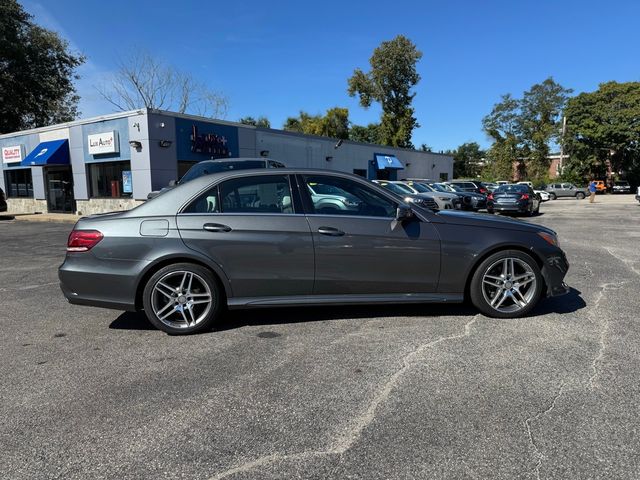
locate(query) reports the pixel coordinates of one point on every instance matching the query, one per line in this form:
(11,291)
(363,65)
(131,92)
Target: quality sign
(12,154)
(103,143)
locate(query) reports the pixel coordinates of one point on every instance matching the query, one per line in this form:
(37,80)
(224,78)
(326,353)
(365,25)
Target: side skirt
(301,300)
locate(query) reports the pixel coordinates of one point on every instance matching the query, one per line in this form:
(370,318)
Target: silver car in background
(261,238)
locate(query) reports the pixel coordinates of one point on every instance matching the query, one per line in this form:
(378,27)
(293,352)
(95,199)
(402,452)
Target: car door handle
(334,232)
(216,227)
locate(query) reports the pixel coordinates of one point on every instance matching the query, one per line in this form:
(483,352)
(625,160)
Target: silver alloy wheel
(181,299)
(509,285)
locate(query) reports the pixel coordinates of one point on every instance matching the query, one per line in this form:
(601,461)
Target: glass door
(60,190)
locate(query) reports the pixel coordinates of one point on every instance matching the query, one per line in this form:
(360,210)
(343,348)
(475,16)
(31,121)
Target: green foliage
(466,159)
(392,76)
(368,134)
(36,73)
(335,123)
(523,130)
(262,122)
(604,126)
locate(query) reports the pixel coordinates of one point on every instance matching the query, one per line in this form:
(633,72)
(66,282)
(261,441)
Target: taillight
(525,196)
(483,190)
(490,196)
(83,240)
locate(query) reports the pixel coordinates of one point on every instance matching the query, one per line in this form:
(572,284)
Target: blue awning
(55,152)
(388,161)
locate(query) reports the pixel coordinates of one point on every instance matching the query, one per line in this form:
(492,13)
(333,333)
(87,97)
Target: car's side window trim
(295,203)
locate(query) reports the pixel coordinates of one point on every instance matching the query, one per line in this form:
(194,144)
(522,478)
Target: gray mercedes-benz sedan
(258,238)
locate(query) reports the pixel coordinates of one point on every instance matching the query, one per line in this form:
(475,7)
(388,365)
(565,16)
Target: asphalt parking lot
(383,392)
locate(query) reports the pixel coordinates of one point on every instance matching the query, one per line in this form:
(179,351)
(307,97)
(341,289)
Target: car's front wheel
(182,298)
(508,284)
(553,196)
(580,196)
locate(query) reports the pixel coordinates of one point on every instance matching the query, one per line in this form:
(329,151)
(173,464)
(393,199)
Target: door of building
(59,184)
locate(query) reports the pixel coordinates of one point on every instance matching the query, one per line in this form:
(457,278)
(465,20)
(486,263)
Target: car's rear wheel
(580,196)
(508,284)
(553,196)
(182,298)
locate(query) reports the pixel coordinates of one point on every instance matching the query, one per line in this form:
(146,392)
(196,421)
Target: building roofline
(58,126)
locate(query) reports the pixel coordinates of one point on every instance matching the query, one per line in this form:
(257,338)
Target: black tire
(553,196)
(208,314)
(580,196)
(477,295)
(490,210)
(537,210)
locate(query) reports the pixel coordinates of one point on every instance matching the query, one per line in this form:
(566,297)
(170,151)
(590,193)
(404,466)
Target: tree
(425,148)
(540,123)
(503,127)
(604,127)
(335,123)
(467,160)
(262,122)
(37,71)
(368,134)
(523,131)
(390,82)
(143,81)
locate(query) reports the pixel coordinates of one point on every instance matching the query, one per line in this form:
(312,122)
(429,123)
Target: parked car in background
(638,194)
(514,198)
(503,182)
(3,201)
(331,199)
(207,167)
(557,190)
(526,183)
(544,196)
(186,256)
(621,186)
(446,200)
(470,186)
(469,200)
(490,186)
(408,195)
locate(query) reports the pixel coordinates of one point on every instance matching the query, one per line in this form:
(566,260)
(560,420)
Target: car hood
(473,219)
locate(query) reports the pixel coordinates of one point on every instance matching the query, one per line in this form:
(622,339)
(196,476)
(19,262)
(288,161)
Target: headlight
(414,200)
(549,238)
(445,199)
(349,203)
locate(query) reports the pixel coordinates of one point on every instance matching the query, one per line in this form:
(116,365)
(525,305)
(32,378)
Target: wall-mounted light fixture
(337,145)
(264,153)
(135,144)
(408,164)
(164,143)
(328,159)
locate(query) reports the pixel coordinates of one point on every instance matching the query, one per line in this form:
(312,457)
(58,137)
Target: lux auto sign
(12,154)
(103,143)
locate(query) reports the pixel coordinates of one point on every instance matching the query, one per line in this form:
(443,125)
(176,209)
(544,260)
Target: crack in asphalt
(353,434)
(527,424)
(628,263)
(604,330)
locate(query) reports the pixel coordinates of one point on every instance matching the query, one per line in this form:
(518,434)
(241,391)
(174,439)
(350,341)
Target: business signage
(205,140)
(12,154)
(100,143)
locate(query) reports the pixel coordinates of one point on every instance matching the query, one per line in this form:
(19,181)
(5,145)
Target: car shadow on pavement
(569,303)
(281,316)
(233,319)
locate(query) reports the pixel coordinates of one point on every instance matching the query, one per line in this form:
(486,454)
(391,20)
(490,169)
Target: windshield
(422,188)
(396,188)
(438,187)
(512,189)
(209,167)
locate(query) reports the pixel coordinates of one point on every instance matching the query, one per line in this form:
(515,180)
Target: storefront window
(19,183)
(183,167)
(106,179)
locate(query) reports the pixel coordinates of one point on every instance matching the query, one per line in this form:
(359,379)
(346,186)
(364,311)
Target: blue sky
(279,57)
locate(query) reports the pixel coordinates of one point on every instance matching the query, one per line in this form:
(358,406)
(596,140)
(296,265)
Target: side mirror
(403,212)
(172,183)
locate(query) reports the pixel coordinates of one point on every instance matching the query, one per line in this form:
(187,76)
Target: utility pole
(564,130)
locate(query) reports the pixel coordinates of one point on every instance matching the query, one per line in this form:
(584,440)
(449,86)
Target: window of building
(19,183)
(444,177)
(360,172)
(105,179)
(183,167)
